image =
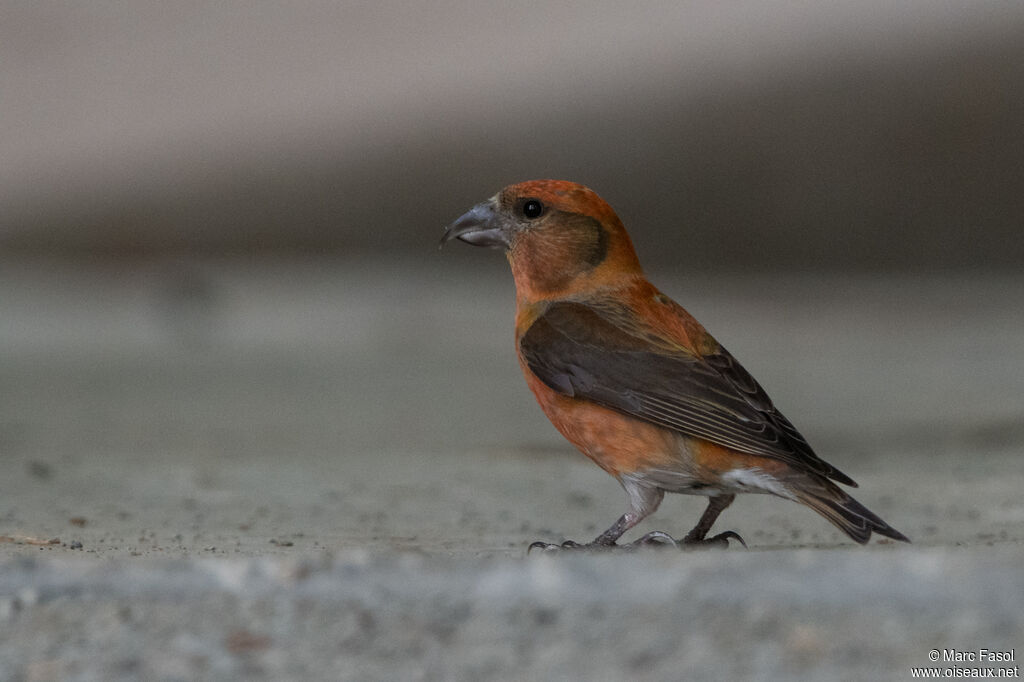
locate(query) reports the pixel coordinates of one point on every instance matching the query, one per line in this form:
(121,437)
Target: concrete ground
(332,471)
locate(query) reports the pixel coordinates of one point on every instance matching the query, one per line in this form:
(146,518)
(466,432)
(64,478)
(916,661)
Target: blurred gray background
(255,426)
(728,135)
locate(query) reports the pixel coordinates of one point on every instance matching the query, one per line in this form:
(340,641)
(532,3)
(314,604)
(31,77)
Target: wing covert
(583,351)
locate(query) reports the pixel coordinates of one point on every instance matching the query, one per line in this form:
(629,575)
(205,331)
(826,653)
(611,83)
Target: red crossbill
(634,381)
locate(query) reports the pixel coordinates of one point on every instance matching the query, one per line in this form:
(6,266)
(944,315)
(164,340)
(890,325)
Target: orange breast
(616,442)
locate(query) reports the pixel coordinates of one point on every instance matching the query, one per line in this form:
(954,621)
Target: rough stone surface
(331,471)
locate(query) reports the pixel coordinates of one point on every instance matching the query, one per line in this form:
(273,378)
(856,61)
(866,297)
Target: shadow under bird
(634,381)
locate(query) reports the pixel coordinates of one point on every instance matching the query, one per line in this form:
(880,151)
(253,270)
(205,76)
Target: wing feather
(589,352)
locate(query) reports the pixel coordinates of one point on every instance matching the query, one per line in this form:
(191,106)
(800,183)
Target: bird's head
(559,237)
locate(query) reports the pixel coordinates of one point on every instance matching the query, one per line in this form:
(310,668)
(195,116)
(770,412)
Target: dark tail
(846,513)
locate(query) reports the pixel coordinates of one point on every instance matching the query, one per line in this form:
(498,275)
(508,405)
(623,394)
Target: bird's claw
(655,538)
(720,541)
(551,547)
(658,539)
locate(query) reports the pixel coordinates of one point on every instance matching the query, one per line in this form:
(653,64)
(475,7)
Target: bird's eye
(532,208)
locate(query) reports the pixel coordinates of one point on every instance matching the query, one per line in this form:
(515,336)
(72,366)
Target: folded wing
(610,357)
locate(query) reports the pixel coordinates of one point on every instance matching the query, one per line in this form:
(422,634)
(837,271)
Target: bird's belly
(674,481)
(715,470)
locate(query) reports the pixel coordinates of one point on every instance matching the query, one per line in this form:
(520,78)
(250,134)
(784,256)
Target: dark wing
(583,351)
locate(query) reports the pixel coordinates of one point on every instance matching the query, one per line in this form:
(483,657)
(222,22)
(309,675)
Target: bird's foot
(720,541)
(659,539)
(656,539)
(569,545)
(653,539)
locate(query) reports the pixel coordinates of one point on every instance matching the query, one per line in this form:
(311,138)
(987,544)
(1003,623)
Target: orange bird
(634,381)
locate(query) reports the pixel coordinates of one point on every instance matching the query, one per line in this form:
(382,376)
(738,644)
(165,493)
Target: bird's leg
(697,536)
(643,500)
